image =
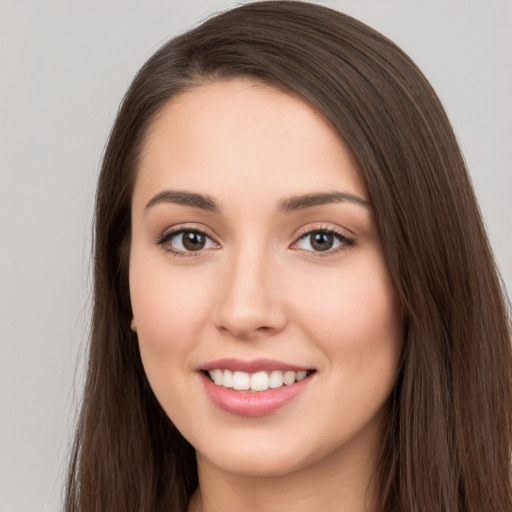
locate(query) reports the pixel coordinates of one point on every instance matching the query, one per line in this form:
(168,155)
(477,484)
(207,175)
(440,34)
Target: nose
(251,304)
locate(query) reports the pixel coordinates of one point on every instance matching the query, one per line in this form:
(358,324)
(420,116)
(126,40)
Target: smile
(253,388)
(259,381)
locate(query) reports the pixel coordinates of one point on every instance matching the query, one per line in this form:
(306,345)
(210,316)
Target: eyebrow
(309,200)
(290,204)
(200,201)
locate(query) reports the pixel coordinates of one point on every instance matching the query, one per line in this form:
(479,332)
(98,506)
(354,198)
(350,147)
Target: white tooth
(300,375)
(216,375)
(289,378)
(241,381)
(276,379)
(259,381)
(227,379)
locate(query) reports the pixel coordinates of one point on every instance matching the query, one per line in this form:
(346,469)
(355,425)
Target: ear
(133,326)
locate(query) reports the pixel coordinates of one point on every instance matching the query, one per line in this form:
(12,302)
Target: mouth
(253,388)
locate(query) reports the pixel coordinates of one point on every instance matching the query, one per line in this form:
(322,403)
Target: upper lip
(252,366)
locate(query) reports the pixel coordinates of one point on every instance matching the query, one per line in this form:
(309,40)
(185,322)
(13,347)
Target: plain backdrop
(64,67)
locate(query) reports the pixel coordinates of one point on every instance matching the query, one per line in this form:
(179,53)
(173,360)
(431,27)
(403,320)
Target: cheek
(353,316)
(169,310)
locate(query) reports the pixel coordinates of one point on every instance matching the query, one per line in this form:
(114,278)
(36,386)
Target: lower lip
(247,403)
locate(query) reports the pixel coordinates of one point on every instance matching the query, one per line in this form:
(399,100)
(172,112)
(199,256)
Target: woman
(295,301)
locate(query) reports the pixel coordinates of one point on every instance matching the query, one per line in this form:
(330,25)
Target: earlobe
(133,327)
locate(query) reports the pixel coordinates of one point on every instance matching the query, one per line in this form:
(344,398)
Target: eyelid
(346,241)
(172,231)
(187,226)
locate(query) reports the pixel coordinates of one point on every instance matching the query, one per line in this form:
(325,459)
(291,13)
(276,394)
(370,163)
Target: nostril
(242,333)
(264,329)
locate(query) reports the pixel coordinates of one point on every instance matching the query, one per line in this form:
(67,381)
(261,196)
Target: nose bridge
(250,305)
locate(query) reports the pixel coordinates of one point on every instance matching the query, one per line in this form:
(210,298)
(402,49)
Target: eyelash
(168,235)
(345,242)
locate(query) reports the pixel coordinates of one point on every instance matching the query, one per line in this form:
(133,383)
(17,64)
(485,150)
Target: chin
(258,463)
(272,456)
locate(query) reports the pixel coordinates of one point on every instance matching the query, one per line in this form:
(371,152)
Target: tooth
(289,378)
(216,375)
(300,375)
(241,381)
(276,379)
(227,379)
(259,381)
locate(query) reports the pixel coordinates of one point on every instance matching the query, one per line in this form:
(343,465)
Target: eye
(185,241)
(322,240)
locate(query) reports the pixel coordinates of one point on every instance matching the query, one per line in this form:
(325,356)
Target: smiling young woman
(277,275)
(296,307)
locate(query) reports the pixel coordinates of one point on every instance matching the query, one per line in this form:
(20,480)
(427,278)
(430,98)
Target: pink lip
(250,403)
(256,365)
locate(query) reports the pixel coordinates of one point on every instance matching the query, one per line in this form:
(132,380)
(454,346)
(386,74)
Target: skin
(259,289)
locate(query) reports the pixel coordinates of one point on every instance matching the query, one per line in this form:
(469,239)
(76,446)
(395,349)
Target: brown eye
(187,241)
(193,240)
(322,240)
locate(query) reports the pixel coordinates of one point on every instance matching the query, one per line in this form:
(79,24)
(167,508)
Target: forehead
(240,136)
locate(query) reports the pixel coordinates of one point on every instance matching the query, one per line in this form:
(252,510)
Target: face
(267,322)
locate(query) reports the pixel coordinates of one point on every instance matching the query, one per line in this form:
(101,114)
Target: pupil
(322,241)
(193,241)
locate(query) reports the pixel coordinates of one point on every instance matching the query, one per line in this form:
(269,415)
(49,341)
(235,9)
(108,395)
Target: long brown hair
(448,439)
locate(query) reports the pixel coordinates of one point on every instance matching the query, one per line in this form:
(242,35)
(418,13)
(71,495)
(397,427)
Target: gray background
(64,67)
